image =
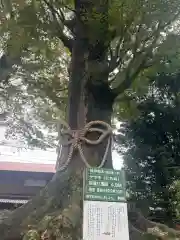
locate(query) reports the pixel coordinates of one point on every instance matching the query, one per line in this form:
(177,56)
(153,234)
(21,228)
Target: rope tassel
(79,137)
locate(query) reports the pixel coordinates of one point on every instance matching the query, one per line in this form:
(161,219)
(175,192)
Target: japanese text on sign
(104,185)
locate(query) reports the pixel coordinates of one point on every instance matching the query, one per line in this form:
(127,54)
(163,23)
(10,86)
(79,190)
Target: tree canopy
(37,39)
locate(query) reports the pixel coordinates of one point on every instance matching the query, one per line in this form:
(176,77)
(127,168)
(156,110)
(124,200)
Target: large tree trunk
(62,197)
(64,190)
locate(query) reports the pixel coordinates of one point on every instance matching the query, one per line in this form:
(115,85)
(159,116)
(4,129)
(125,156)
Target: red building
(19,182)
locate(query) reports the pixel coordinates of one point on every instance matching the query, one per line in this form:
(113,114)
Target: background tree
(108,45)
(152,158)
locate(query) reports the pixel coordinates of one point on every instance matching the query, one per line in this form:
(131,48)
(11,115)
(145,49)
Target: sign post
(105,207)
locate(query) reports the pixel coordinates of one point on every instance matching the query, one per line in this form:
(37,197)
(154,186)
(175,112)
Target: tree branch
(54,11)
(128,81)
(143,51)
(68,42)
(116,57)
(142,56)
(114,60)
(70,23)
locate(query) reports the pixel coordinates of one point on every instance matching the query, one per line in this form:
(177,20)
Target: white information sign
(105,221)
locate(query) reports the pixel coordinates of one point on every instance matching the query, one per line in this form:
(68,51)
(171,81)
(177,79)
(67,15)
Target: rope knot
(77,137)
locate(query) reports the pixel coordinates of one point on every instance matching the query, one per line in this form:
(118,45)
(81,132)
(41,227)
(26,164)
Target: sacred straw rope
(78,137)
